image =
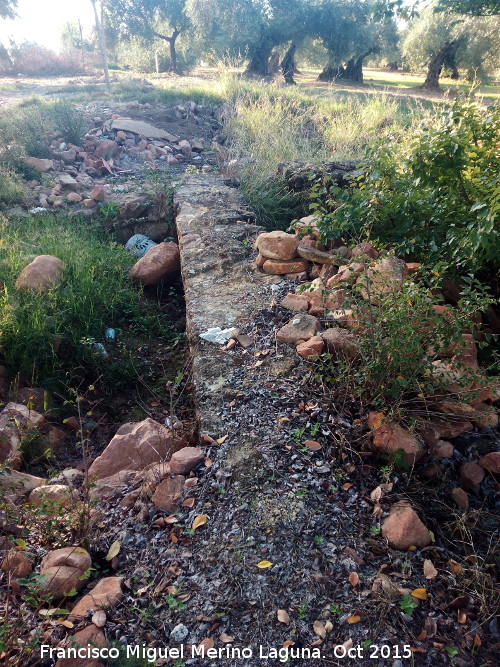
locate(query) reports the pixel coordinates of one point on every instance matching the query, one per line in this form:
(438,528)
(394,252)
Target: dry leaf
(171,518)
(455,567)
(354,579)
(319,629)
(174,538)
(207,644)
(114,550)
(99,618)
(199,520)
(264,564)
(208,463)
(429,570)
(462,616)
(226,639)
(288,643)
(421,636)
(223,439)
(419,593)
(353,619)
(207,438)
(328,626)
(67,624)
(192,481)
(347,486)
(283,616)
(189,502)
(313,445)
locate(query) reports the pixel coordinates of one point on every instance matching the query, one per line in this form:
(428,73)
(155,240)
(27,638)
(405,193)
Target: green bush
(434,194)
(67,121)
(95,293)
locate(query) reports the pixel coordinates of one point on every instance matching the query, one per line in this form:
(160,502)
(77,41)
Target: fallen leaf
(353,619)
(313,445)
(283,616)
(419,593)
(207,643)
(223,439)
(429,570)
(288,643)
(99,618)
(174,538)
(354,579)
(226,639)
(199,520)
(328,626)
(477,640)
(67,624)
(422,636)
(319,629)
(171,518)
(462,616)
(208,463)
(190,482)
(347,486)
(189,502)
(264,564)
(207,438)
(114,550)
(455,567)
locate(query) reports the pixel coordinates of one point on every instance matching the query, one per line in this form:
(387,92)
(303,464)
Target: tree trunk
(288,65)
(447,53)
(354,68)
(260,55)
(274,63)
(102,47)
(171,45)
(331,71)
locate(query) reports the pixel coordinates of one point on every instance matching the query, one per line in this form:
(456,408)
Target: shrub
(11,188)
(67,121)
(33,59)
(433,194)
(95,294)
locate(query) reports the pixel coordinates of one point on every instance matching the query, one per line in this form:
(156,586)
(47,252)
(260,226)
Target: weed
(407,604)
(108,210)
(11,187)
(67,121)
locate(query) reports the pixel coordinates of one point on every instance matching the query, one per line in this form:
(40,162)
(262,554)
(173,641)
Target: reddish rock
(300,328)
(19,482)
(16,564)
(365,248)
(89,203)
(275,267)
(106,594)
(449,407)
(432,471)
(403,529)
(106,149)
(15,420)
(260,260)
(341,343)
(87,638)
(39,164)
(64,569)
(471,476)
(451,429)
(311,349)
(277,245)
(159,262)
(312,254)
(485,416)
(97,193)
(168,493)
(451,378)
(442,450)
(413,267)
(346,274)
(43,274)
(460,498)
(491,463)
(185,460)
(134,447)
(384,277)
(295,302)
(74,198)
(114,484)
(57,494)
(391,438)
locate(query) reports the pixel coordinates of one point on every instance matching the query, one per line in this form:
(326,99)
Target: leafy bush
(434,194)
(95,294)
(67,121)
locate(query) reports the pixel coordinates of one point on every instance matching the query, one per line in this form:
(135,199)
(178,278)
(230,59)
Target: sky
(41,21)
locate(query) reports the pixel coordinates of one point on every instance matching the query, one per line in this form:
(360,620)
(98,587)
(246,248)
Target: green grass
(11,188)
(95,293)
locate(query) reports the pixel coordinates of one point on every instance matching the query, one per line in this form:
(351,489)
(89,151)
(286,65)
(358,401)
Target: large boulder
(87,638)
(16,420)
(63,570)
(491,463)
(159,262)
(18,483)
(168,493)
(393,439)
(142,128)
(44,273)
(385,276)
(277,245)
(134,447)
(53,494)
(403,529)
(39,164)
(16,564)
(283,267)
(186,459)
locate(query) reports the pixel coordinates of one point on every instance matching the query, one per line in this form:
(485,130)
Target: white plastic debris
(37,209)
(139,245)
(218,335)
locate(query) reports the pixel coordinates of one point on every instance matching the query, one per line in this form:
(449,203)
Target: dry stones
(59,494)
(277,245)
(68,182)
(403,529)
(63,569)
(471,476)
(15,419)
(313,254)
(391,438)
(341,343)
(159,262)
(460,498)
(39,164)
(142,128)
(442,450)
(491,463)
(106,594)
(134,447)
(89,637)
(311,349)
(275,267)
(186,459)
(295,302)
(106,149)
(19,482)
(168,493)
(386,276)
(114,484)
(44,273)
(300,328)
(16,564)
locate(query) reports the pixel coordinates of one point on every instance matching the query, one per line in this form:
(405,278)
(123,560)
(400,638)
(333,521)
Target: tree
(470,7)
(165,19)
(102,46)
(8,9)
(439,40)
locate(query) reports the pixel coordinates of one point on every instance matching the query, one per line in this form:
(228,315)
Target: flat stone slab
(142,128)
(221,282)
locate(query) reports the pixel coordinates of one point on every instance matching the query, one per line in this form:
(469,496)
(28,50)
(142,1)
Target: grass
(95,293)
(11,188)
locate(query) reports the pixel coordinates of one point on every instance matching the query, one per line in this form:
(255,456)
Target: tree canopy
(8,9)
